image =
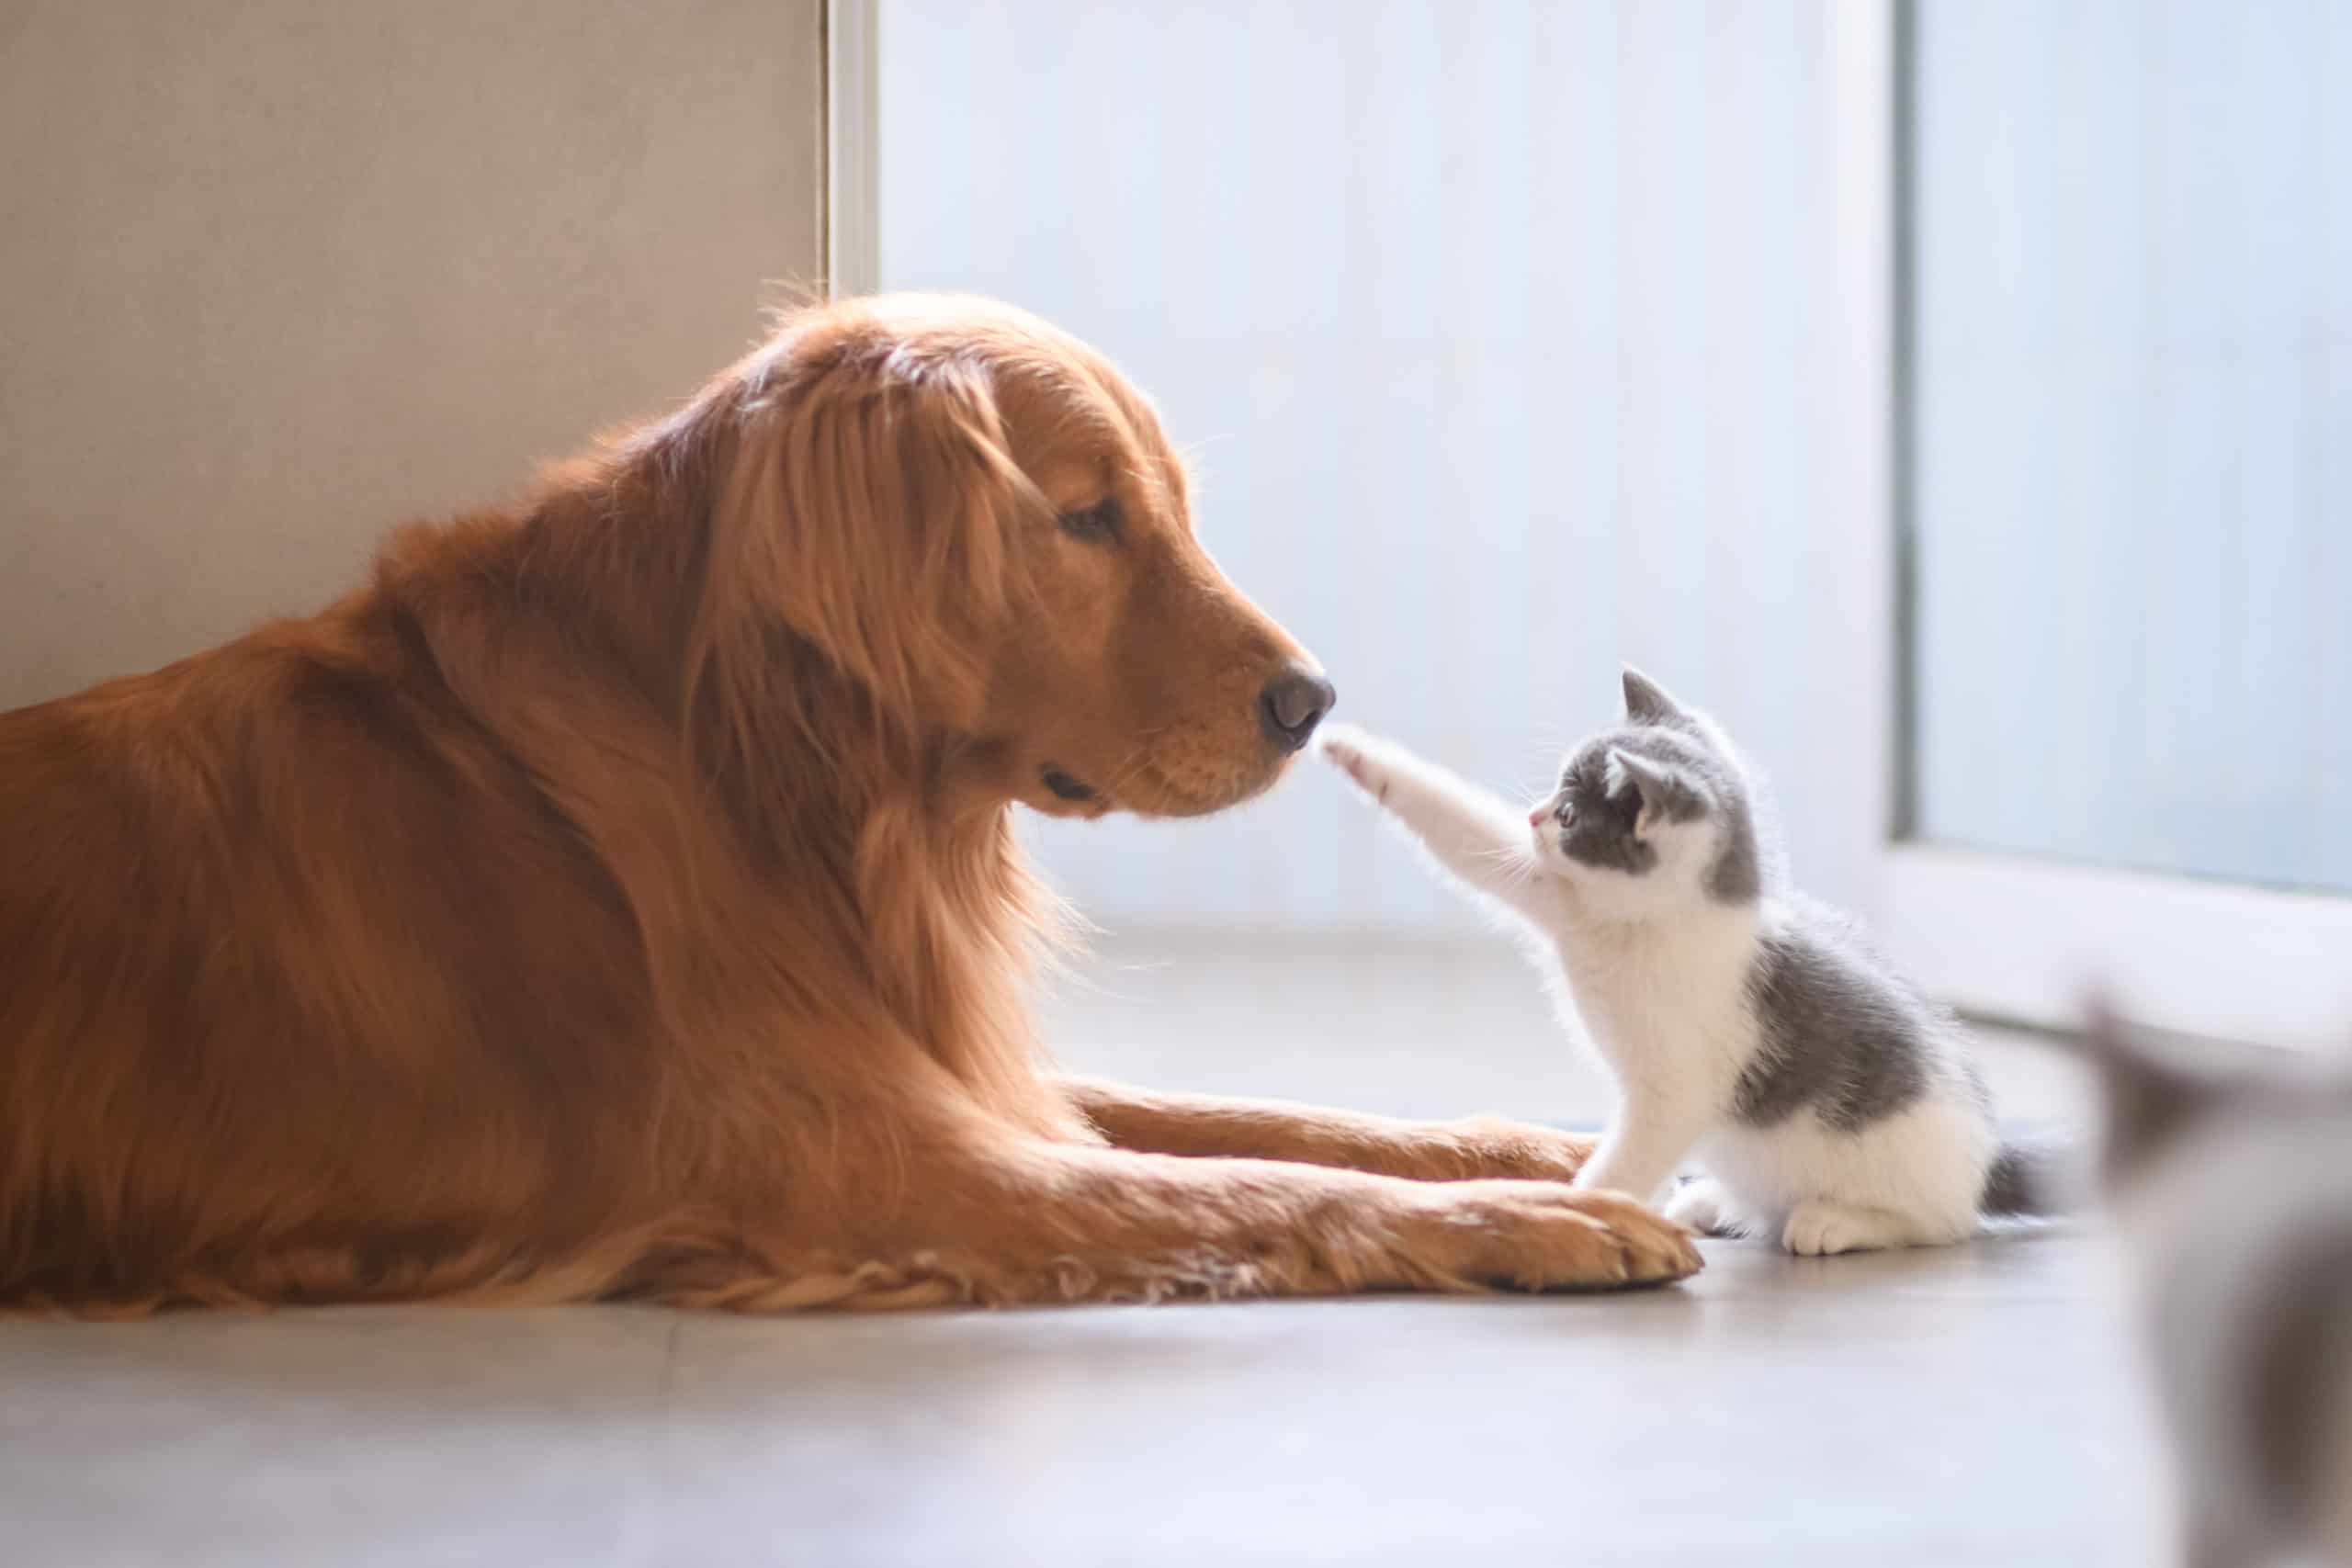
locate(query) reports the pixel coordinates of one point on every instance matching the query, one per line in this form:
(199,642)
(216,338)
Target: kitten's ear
(1664,792)
(1645,700)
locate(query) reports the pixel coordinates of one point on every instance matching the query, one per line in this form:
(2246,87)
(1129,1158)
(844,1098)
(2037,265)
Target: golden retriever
(616,895)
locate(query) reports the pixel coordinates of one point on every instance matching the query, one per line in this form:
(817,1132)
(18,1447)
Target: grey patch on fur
(1596,825)
(1658,788)
(1840,1035)
(2008,1185)
(1737,874)
(2026,1179)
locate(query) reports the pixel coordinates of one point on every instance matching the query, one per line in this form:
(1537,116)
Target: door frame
(853,147)
(2028,939)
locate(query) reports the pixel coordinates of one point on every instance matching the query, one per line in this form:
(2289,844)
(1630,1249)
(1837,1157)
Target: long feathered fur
(616,895)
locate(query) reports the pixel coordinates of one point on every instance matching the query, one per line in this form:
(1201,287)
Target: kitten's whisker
(1515,863)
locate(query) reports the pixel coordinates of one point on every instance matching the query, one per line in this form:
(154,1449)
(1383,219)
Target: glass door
(2130,726)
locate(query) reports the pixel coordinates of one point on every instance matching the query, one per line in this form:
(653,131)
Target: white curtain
(1505,339)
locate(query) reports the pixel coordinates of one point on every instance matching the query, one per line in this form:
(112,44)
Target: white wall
(274,274)
(1510,341)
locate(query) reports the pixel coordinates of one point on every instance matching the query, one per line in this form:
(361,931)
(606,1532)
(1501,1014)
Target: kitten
(1829,1101)
(2233,1176)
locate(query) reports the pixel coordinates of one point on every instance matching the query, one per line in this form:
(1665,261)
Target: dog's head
(976,519)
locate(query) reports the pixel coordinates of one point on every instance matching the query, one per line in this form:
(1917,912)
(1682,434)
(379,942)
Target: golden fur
(616,895)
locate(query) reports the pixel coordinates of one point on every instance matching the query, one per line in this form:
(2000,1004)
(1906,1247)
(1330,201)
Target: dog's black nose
(1292,704)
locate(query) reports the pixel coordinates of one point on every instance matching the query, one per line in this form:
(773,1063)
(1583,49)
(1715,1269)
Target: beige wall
(276,274)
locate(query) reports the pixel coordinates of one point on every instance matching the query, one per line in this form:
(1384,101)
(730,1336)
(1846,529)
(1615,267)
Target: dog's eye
(1099,523)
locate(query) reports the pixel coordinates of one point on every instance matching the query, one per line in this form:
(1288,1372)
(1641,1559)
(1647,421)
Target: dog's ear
(870,510)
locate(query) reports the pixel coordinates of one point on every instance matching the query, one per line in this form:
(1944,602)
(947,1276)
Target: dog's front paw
(1358,755)
(1539,1235)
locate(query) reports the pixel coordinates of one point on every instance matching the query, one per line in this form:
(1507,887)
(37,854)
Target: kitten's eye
(1098,524)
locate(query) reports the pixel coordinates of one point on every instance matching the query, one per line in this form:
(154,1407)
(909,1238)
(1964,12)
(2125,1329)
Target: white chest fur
(1664,1003)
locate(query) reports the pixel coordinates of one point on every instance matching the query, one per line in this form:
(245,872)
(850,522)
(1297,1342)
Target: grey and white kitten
(2232,1176)
(1830,1104)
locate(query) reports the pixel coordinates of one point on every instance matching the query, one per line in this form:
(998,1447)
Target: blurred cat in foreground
(2233,1176)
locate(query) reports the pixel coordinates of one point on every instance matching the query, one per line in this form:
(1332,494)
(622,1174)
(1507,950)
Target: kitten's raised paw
(1356,754)
(1703,1206)
(1824,1230)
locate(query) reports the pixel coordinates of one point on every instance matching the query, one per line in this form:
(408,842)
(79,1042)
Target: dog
(616,895)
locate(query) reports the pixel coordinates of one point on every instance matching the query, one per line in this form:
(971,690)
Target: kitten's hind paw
(1703,1205)
(1358,755)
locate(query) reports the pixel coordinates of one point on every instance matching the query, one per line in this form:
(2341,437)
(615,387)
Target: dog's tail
(2034,1177)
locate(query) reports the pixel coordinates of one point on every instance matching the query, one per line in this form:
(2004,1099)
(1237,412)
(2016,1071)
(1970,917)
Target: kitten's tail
(2036,1177)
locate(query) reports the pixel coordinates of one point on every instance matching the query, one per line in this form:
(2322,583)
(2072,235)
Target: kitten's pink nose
(1535,817)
